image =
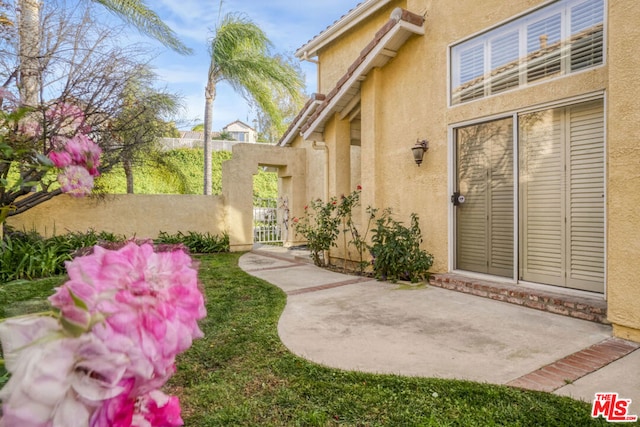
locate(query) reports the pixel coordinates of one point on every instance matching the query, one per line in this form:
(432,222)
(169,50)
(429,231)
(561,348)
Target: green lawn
(241,375)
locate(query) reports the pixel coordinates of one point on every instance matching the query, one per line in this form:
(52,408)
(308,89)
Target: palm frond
(136,13)
(240,56)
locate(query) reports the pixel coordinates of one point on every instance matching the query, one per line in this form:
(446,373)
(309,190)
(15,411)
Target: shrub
(320,226)
(30,256)
(396,250)
(199,243)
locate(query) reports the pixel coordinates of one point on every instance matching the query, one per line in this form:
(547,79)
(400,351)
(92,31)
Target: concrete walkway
(357,323)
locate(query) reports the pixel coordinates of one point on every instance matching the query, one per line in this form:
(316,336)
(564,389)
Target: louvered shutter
(471,217)
(504,52)
(471,74)
(587,34)
(484,223)
(543,48)
(562,196)
(542,197)
(501,199)
(586,197)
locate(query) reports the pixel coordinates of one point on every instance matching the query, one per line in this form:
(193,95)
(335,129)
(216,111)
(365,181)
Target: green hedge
(181,171)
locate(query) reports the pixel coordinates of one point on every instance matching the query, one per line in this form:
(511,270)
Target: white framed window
(556,40)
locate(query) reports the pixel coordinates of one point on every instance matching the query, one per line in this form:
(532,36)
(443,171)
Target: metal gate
(267,216)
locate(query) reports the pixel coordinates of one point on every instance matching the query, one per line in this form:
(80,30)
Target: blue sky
(289,24)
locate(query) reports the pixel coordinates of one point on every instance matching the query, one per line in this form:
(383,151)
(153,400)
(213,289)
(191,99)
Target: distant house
(240,131)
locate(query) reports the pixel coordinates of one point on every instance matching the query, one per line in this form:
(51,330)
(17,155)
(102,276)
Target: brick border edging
(575,366)
(572,306)
(328,286)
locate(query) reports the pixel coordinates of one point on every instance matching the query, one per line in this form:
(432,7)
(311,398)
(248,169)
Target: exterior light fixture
(419,149)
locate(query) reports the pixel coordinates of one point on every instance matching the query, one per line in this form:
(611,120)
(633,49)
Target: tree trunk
(210,94)
(128,173)
(29,48)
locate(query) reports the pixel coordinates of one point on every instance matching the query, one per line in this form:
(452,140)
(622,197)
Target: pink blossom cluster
(74,152)
(68,119)
(125,315)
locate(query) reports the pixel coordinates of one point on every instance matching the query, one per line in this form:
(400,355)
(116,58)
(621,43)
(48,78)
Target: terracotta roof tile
(406,16)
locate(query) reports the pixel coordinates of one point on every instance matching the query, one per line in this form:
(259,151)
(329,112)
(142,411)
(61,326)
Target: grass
(240,374)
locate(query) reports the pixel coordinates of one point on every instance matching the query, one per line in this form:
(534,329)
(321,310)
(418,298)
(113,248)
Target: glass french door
(561,199)
(484,213)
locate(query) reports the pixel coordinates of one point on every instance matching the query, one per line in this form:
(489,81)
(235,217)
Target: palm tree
(240,56)
(134,12)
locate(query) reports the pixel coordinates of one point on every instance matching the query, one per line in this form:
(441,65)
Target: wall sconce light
(419,149)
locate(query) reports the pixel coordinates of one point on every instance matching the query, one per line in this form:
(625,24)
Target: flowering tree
(42,155)
(100,358)
(83,80)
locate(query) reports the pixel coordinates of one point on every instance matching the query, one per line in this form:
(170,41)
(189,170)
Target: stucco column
(237,191)
(368,135)
(338,139)
(623,157)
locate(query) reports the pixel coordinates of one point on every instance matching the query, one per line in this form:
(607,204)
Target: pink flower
(60,159)
(153,409)
(150,300)
(158,409)
(124,316)
(55,379)
(67,118)
(359,187)
(76,181)
(84,152)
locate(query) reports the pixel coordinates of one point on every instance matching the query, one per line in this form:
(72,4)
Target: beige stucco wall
(623,180)
(142,216)
(407,100)
(335,61)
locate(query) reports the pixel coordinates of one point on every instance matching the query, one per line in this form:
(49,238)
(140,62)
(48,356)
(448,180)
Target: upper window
(558,39)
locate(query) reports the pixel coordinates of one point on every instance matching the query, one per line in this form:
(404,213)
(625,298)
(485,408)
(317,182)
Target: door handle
(457,198)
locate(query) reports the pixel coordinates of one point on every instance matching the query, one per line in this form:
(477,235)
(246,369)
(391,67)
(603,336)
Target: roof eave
(342,25)
(294,129)
(378,55)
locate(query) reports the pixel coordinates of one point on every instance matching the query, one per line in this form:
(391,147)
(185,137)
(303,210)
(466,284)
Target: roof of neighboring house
(240,123)
(351,19)
(384,46)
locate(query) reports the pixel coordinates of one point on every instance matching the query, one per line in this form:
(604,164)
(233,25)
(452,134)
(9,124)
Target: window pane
(471,84)
(586,34)
(505,51)
(543,48)
(555,40)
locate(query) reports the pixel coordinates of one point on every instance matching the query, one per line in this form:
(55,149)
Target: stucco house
(520,112)
(524,113)
(241,131)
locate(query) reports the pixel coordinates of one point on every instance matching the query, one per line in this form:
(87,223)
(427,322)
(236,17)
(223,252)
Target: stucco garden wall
(142,216)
